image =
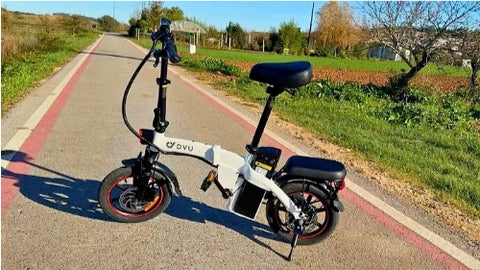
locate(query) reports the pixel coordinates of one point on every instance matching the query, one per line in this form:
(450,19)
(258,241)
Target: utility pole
(310,30)
(114,9)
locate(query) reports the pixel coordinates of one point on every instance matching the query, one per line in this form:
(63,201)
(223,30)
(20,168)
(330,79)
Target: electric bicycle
(300,198)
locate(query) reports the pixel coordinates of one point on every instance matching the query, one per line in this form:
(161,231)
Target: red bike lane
(33,144)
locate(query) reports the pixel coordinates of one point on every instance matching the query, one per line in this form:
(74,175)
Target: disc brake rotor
(130,203)
(309,216)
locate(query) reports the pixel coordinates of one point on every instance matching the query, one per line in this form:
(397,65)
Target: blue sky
(251,15)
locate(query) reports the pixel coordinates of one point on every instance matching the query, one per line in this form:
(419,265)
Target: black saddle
(315,168)
(283,75)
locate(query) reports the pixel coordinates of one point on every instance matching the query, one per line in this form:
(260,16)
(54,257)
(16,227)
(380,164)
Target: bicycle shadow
(185,208)
(79,197)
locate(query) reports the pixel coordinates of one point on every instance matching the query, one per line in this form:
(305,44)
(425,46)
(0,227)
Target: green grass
(25,70)
(325,62)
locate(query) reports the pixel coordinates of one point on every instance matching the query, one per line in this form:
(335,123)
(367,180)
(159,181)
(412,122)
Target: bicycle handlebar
(169,46)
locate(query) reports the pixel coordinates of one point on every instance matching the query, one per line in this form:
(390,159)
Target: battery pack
(249,200)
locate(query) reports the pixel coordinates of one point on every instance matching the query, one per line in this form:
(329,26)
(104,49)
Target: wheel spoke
(309,199)
(318,224)
(319,210)
(316,201)
(282,208)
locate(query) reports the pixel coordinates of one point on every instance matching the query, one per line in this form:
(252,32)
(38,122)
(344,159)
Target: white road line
(414,226)
(26,129)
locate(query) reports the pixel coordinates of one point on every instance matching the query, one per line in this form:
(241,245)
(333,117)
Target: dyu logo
(180,146)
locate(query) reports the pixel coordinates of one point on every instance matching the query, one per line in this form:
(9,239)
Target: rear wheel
(118,197)
(321,218)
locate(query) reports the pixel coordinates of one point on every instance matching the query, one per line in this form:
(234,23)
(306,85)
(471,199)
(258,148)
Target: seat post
(262,123)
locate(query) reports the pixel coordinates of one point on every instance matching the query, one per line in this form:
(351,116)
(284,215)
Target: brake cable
(125,97)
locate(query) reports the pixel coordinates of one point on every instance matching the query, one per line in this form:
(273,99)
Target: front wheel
(118,197)
(321,221)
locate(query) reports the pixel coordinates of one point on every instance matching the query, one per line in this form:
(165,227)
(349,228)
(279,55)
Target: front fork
(142,171)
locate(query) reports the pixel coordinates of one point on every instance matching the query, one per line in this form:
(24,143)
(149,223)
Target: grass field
(325,62)
(30,53)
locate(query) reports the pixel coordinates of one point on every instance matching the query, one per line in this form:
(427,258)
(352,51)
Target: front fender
(160,168)
(167,173)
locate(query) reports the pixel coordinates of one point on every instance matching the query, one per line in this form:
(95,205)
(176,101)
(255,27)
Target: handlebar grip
(172,53)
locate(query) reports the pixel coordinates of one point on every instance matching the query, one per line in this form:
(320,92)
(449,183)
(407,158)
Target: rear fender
(334,202)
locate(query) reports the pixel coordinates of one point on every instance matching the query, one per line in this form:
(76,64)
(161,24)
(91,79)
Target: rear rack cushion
(315,168)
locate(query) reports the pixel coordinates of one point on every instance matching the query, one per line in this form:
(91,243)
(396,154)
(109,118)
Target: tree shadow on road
(79,197)
(115,55)
(64,193)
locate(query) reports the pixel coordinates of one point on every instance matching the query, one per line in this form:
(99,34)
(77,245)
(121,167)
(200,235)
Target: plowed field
(438,82)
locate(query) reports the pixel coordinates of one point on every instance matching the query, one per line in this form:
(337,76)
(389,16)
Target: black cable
(125,97)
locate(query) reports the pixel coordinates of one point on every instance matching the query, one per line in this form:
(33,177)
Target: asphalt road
(50,214)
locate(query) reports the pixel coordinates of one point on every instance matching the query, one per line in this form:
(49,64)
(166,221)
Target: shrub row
(439,110)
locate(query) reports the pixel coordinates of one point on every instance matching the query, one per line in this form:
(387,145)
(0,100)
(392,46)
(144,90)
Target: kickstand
(293,244)
(296,232)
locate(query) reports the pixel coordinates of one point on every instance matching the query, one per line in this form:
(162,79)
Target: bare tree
(470,49)
(138,8)
(415,30)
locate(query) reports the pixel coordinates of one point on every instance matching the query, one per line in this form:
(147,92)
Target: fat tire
(127,172)
(293,187)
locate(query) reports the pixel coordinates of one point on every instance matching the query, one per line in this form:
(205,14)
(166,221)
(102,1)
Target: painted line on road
(434,244)
(31,136)
(24,132)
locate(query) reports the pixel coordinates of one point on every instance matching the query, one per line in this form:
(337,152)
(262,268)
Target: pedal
(207,182)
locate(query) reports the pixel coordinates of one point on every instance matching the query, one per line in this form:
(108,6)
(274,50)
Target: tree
(275,42)
(470,49)
(73,23)
(415,30)
(293,39)
(213,35)
(139,20)
(335,27)
(237,34)
(174,13)
(154,14)
(108,24)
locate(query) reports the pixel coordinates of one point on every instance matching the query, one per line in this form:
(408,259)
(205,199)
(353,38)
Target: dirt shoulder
(444,212)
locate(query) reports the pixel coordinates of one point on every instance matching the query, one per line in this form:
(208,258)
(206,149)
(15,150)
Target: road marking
(34,132)
(439,242)
(24,132)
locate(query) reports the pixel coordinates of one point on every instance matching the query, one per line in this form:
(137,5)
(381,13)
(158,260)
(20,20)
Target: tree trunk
(402,81)
(473,80)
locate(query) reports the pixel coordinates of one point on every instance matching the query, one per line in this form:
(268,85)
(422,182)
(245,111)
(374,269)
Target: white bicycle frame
(229,167)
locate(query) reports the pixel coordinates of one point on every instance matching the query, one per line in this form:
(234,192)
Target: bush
(212,65)
(441,111)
